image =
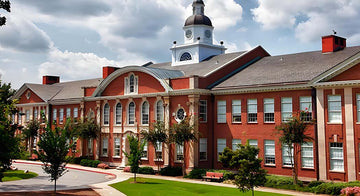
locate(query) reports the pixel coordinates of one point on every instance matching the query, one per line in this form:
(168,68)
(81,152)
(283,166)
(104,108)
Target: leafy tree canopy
(136,151)
(4,4)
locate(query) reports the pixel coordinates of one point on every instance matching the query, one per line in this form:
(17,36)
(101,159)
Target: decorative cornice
(31,104)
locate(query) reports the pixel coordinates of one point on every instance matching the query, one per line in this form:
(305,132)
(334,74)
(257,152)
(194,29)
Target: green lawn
(151,187)
(17,175)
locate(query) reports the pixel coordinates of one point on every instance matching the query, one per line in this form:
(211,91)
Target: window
(118,115)
(27,115)
(104,151)
(90,146)
(131,113)
(336,157)
(334,108)
(203,110)
(287,155)
(306,108)
(19,119)
(106,113)
(68,113)
(55,116)
(252,110)
(269,110)
(132,83)
(307,155)
(358,107)
(221,145)
(203,149)
(185,57)
(286,108)
(253,143)
(221,111)
(235,143)
(75,114)
(36,113)
(12,118)
(179,152)
(145,151)
(269,149)
(61,115)
(180,115)
(117,147)
(160,111)
(34,143)
(145,113)
(158,153)
(236,111)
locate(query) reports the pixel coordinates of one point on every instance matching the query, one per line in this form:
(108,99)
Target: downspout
(212,131)
(314,111)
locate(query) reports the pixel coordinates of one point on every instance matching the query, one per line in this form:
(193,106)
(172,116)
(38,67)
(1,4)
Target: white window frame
(61,116)
(269,152)
(145,113)
(19,118)
(235,143)
(287,157)
(68,113)
(269,110)
(105,147)
(55,115)
(358,107)
(131,114)
(90,146)
(128,84)
(203,111)
(286,112)
(158,152)
(221,145)
(179,153)
(118,114)
(144,155)
(160,110)
(36,114)
(307,155)
(106,114)
(334,99)
(252,111)
(336,156)
(306,108)
(203,149)
(27,115)
(75,114)
(117,147)
(236,111)
(221,111)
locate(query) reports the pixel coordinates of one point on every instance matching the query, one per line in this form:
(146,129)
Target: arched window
(145,113)
(159,111)
(185,57)
(131,113)
(106,114)
(118,113)
(132,83)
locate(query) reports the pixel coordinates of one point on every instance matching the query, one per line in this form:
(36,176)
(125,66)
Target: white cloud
(310,19)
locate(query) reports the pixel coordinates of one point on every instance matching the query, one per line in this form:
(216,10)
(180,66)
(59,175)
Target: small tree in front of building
(182,134)
(30,132)
(245,160)
(134,157)
(53,150)
(292,136)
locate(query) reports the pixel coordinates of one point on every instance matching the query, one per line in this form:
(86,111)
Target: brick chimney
(108,70)
(333,43)
(51,80)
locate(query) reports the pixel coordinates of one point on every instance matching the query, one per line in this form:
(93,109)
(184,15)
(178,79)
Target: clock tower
(198,36)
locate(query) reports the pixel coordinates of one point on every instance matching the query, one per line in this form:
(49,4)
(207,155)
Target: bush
(89,163)
(314,183)
(171,171)
(146,170)
(77,160)
(329,188)
(24,155)
(196,173)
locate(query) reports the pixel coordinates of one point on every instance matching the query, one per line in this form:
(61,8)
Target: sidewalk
(105,190)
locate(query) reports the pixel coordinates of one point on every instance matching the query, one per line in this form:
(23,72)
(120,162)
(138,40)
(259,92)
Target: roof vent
(333,43)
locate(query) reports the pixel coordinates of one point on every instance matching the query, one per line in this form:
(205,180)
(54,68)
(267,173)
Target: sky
(75,39)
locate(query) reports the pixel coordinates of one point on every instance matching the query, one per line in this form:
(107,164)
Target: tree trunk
(295,167)
(252,191)
(55,187)
(184,163)
(134,177)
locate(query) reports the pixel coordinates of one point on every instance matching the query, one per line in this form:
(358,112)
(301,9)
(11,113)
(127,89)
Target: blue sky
(75,39)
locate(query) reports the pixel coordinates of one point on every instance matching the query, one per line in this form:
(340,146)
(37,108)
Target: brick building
(230,98)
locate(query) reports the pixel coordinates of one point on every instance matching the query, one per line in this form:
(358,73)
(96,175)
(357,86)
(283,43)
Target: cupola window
(185,57)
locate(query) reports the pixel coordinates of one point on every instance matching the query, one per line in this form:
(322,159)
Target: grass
(155,187)
(17,175)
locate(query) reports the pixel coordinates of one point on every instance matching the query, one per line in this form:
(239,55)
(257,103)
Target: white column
(350,146)
(193,147)
(98,140)
(167,127)
(321,134)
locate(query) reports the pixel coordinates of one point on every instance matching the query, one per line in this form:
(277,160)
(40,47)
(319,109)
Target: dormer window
(185,57)
(131,84)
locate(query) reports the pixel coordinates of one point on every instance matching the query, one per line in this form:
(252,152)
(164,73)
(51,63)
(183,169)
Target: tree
(156,134)
(88,129)
(53,150)
(9,143)
(250,174)
(30,132)
(293,135)
(182,134)
(4,4)
(136,151)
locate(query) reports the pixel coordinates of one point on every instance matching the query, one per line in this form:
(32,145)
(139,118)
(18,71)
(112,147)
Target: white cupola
(198,39)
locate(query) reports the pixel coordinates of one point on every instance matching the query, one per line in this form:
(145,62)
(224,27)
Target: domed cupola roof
(198,17)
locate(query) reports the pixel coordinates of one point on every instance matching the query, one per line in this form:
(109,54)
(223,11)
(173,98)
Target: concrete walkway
(105,190)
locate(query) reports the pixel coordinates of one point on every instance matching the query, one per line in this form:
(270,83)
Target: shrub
(329,188)
(314,183)
(146,170)
(24,155)
(89,163)
(171,171)
(196,173)
(77,160)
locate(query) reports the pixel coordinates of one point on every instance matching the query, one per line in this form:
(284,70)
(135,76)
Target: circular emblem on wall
(207,33)
(188,34)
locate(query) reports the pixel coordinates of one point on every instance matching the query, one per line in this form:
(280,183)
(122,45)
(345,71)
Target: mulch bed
(78,192)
